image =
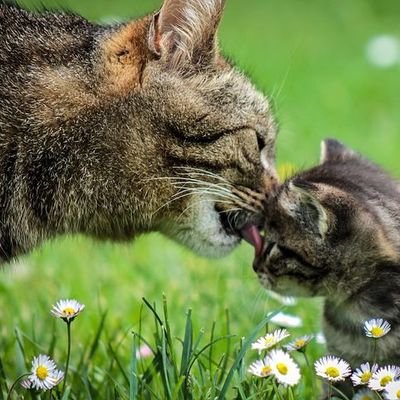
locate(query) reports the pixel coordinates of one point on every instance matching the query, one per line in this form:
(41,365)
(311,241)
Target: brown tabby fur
(334,231)
(101,128)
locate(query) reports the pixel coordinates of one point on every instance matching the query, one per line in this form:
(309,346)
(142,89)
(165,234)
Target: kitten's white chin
(203,231)
(285,286)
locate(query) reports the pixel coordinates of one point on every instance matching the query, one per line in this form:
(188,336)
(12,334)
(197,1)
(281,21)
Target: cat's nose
(270,178)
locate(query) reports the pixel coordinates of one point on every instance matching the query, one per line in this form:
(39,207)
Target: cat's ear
(183,32)
(302,203)
(333,150)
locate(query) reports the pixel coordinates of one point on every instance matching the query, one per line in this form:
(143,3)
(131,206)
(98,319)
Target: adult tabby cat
(334,231)
(93,118)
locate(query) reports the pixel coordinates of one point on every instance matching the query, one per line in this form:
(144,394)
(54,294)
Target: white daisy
(270,340)
(285,370)
(26,383)
(260,368)
(392,391)
(376,328)
(383,376)
(67,309)
(332,368)
(44,373)
(364,394)
(299,344)
(362,375)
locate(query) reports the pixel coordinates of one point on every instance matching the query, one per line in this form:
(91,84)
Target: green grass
(309,56)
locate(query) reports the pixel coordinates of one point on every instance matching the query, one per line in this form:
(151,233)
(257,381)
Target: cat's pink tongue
(251,234)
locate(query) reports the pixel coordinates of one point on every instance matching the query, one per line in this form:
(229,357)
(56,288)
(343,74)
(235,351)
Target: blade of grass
(239,358)
(95,343)
(186,355)
(228,345)
(119,363)
(133,373)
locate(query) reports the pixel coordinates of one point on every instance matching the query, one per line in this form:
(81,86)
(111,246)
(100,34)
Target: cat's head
(329,228)
(200,120)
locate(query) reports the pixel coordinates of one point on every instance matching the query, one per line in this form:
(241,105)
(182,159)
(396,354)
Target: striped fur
(354,261)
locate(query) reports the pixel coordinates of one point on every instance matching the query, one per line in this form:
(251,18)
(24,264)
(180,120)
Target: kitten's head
(328,228)
(198,112)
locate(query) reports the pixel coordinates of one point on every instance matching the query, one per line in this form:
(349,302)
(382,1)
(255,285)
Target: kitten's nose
(261,260)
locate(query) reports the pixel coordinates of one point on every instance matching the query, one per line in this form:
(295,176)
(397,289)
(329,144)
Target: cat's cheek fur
(201,229)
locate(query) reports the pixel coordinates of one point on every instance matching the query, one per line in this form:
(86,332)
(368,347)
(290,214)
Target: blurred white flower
(287,320)
(383,51)
(364,394)
(67,310)
(299,344)
(362,375)
(383,376)
(332,368)
(284,300)
(320,338)
(376,328)
(285,370)
(392,391)
(44,373)
(270,340)
(260,368)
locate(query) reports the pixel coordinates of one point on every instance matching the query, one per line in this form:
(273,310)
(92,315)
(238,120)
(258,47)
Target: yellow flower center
(269,340)
(377,331)
(299,343)
(282,368)
(385,380)
(365,377)
(69,311)
(42,372)
(366,397)
(266,370)
(332,372)
(398,394)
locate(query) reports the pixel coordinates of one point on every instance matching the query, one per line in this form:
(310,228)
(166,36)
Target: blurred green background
(329,73)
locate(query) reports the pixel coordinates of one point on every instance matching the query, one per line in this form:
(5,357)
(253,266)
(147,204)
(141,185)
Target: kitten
(100,125)
(334,231)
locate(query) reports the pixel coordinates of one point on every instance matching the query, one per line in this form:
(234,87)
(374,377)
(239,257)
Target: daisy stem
(340,393)
(329,391)
(15,384)
(374,353)
(68,356)
(290,393)
(311,370)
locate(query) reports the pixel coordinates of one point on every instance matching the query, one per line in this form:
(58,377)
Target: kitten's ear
(332,150)
(183,32)
(302,203)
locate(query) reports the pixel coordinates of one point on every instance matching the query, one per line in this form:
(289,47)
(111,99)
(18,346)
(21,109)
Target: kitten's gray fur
(334,231)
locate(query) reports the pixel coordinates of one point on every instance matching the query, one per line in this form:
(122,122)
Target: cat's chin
(202,230)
